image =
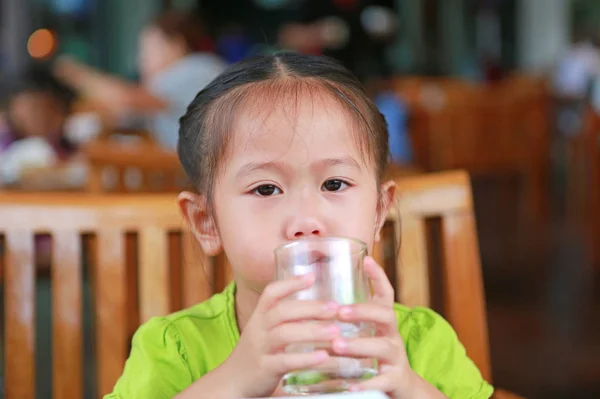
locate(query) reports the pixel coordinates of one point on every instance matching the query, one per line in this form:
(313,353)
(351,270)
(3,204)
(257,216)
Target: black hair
(36,79)
(205,129)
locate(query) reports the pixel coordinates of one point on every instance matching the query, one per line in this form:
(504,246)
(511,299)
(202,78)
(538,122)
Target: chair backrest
(119,237)
(143,238)
(447,198)
(591,141)
(455,124)
(136,167)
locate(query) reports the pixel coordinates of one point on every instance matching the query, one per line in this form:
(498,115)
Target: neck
(246,300)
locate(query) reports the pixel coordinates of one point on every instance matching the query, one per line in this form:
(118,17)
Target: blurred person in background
(173,68)
(36,106)
(573,79)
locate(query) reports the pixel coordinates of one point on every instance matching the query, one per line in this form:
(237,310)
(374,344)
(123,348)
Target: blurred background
(506,89)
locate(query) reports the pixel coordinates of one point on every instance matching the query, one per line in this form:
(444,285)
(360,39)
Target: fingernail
(340,345)
(308,277)
(345,311)
(331,306)
(353,388)
(333,331)
(320,355)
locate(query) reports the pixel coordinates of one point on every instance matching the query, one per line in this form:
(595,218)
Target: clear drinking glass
(337,264)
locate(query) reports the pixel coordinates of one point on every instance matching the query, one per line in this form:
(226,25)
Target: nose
(304,226)
(305,217)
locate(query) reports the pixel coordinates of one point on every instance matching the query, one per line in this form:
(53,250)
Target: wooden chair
(590,158)
(594,146)
(498,129)
(158,170)
(111,218)
(140,166)
(446,197)
(161,243)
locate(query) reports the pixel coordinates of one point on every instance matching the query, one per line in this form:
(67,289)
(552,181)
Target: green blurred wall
(123,21)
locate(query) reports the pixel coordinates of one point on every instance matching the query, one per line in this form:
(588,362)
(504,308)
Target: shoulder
(213,307)
(157,367)
(205,60)
(200,321)
(436,354)
(169,353)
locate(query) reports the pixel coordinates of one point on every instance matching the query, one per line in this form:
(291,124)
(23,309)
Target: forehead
(152,34)
(295,124)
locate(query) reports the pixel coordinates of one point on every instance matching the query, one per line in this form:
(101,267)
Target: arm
(114,93)
(216,384)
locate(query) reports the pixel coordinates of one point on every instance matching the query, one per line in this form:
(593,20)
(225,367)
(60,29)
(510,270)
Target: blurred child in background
(36,107)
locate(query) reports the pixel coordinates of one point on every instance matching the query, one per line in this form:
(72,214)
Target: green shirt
(170,353)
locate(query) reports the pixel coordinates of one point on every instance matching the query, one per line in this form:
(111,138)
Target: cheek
(356,218)
(248,236)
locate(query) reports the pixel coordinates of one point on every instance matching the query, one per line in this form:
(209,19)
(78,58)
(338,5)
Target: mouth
(318,258)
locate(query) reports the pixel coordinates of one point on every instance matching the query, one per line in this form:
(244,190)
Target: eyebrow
(252,167)
(343,161)
(281,167)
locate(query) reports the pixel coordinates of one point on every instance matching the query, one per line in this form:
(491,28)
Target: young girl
(281,148)
(36,108)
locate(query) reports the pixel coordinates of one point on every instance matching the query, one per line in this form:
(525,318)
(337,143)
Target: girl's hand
(396,378)
(259,361)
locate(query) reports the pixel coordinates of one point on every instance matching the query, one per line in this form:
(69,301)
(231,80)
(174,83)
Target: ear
(387,195)
(194,208)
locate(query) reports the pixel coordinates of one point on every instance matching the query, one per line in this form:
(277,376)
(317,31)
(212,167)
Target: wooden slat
(67,341)
(132,293)
(378,253)
(464,306)
(19,297)
(153,274)
(121,179)
(111,322)
(175,272)
(413,276)
(198,276)
(428,202)
(94,180)
(2,267)
(223,272)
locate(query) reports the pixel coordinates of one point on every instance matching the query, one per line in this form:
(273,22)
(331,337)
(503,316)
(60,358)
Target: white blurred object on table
(34,152)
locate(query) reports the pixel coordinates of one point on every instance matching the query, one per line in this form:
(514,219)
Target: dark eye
(334,185)
(267,190)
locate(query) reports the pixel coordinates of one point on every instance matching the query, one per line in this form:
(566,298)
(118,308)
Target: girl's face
(293,172)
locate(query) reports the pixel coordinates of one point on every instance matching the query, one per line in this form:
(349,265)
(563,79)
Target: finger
(386,381)
(293,333)
(278,290)
(286,311)
(383,316)
(383,349)
(282,363)
(383,290)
